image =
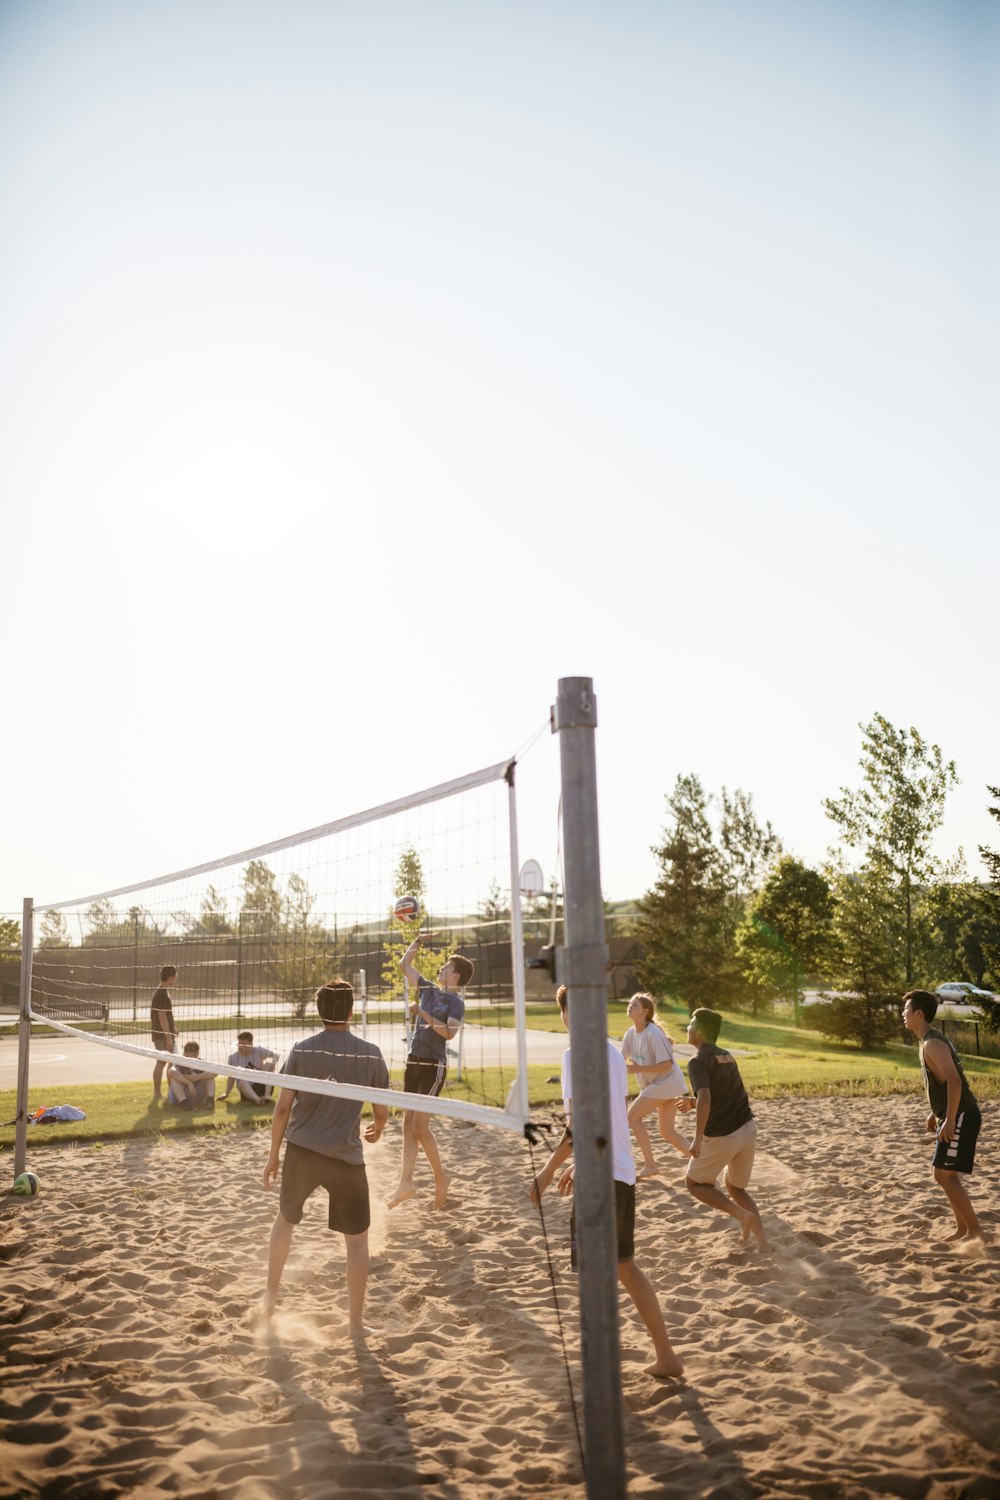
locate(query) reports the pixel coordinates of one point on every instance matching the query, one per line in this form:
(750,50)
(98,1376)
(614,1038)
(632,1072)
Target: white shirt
(648,1048)
(622,1164)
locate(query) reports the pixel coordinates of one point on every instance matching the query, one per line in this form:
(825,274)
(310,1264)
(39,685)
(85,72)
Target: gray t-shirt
(317,1121)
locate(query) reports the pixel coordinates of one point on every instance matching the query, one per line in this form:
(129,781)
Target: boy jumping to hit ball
(437,1014)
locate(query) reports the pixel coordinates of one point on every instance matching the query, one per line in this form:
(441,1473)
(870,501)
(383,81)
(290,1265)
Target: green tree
(961,930)
(261,906)
(54,931)
(408,880)
(990,908)
(213,918)
(494,915)
(787,932)
(682,920)
(891,819)
(10,938)
(866,959)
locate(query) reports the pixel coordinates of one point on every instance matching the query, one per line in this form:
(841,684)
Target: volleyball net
(254,935)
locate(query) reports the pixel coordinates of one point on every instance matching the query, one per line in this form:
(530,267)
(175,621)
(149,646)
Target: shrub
(869,1024)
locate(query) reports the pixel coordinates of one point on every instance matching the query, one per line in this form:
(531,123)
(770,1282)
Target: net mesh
(253,936)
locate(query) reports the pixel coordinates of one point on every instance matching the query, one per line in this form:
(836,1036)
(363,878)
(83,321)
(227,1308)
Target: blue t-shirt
(443,1005)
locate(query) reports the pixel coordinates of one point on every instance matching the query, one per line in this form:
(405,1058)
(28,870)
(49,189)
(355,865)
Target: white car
(960,993)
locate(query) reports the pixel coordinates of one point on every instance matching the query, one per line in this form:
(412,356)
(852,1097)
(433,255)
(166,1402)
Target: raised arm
(408,966)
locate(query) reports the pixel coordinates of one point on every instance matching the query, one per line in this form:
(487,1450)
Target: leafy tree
(213,919)
(408,880)
(787,931)
(961,929)
(891,819)
(10,937)
(261,906)
(682,921)
(866,962)
(747,848)
(54,931)
(308,954)
(494,913)
(990,906)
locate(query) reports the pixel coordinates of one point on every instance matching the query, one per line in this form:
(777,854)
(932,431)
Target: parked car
(960,993)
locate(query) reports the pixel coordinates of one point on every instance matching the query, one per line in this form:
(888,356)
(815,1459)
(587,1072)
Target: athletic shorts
(424,1076)
(959,1154)
(670,1086)
(624,1223)
(347,1185)
(734,1152)
(163,1042)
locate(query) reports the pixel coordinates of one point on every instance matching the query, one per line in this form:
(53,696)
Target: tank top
(937,1092)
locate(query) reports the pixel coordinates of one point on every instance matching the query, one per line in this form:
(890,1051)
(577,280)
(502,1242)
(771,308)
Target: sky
(366,369)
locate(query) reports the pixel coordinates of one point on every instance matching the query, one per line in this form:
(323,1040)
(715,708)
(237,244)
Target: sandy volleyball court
(852,1363)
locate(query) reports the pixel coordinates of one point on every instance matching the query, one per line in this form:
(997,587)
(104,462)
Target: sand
(853,1362)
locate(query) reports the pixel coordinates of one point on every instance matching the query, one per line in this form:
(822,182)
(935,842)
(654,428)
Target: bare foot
(441,1191)
(652,1171)
(401,1195)
(268,1303)
(360,1333)
(752,1226)
(950,1239)
(667,1368)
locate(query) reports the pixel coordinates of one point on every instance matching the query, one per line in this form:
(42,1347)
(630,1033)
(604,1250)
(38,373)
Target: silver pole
(23,1037)
(520,1097)
(574,719)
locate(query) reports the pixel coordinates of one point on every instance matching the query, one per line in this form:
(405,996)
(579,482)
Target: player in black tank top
(954,1119)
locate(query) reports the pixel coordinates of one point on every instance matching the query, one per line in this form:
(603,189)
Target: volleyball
(27,1185)
(406,909)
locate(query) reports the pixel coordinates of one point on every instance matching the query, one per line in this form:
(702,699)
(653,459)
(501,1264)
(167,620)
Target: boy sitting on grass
(190,1087)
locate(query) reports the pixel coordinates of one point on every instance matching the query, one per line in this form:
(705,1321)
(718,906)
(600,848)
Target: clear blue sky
(366,368)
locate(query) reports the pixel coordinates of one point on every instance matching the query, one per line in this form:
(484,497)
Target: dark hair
(923,1001)
(191,1049)
(244,1036)
(708,1022)
(562,998)
(335,1000)
(464,968)
(168,972)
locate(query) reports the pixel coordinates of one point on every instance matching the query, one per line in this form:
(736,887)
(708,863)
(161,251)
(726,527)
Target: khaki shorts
(734,1152)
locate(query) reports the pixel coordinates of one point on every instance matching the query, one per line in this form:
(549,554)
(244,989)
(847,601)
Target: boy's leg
(425,1138)
(356,1246)
(637,1109)
(753,1226)
(158,1068)
(640,1289)
(968,1225)
(280,1244)
(410,1144)
(665,1115)
(707,1192)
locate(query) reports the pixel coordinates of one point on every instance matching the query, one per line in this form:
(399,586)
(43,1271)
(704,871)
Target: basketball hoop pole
(23,1038)
(584,971)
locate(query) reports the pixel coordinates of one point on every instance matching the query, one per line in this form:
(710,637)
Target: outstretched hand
(565,1183)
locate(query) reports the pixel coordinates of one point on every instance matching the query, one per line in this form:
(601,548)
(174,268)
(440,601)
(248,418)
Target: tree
(990,907)
(407,880)
(54,931)
(866,962)
(682,923)
(260,909)
(213,919)
(892,818)
(10,938)
(494,914)
(787,932)
(961,928)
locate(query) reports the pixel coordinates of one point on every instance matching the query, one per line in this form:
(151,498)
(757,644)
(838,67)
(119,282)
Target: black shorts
(424,1076)
(163,1042)
(959,1154)
(624,1223)
(347,1185)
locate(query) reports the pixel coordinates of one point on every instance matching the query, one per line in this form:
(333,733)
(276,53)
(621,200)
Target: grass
(776,1059)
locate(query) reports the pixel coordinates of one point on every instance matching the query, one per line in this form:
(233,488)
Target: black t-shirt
(715,1069)
(159,1003)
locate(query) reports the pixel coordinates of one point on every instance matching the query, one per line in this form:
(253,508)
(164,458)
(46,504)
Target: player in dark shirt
(162,1024)
(725,1135)
(955,1117)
